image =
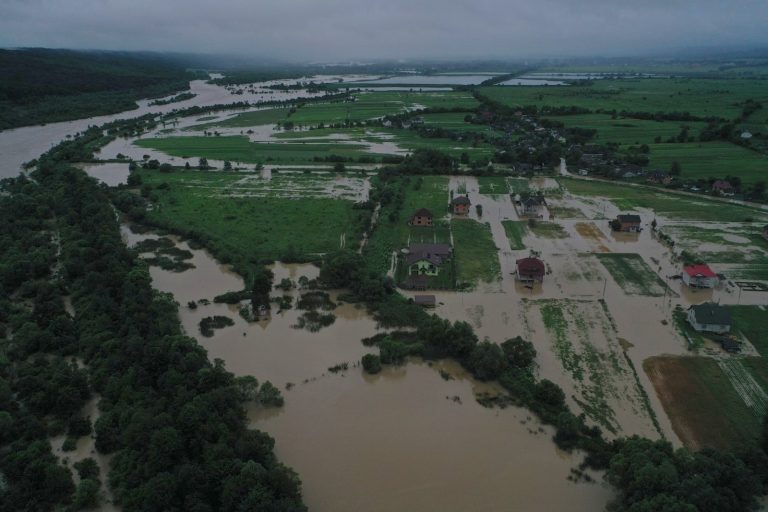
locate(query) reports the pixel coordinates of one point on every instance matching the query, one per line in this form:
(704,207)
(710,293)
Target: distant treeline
(42,86)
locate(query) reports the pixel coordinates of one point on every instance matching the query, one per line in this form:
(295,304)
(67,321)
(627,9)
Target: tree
(371,363)
(339,167)
(675,169)
(519,352)
(227,165)
(202,164)
(487,361)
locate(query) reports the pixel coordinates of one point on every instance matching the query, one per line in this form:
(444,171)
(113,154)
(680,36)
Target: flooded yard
(406,437)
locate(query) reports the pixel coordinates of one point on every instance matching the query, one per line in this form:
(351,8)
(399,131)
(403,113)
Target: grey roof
(422,212)
(433,253)
(439,249)
(632,219)
(424,300)
(712,314)
(461,200)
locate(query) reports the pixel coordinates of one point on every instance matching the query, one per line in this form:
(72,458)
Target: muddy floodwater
(405,439)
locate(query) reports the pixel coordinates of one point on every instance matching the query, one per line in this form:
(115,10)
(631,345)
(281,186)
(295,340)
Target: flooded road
(405,439)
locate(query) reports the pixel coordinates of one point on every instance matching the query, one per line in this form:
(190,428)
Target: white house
(699,276)
(710,317)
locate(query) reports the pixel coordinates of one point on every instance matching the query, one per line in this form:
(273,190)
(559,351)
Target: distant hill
(44,85)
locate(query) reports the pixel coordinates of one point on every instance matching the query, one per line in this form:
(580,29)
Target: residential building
(422,217)
(710,317)
(460,205)
(530,270)
(627,223)
(699,276)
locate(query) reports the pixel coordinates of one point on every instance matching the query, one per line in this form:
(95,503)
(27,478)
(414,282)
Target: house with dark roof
(723,188)
(460,205)
(530,205)
(422,217)
(426,259)
(699,276)
(626,223)
(710,317)
(530,270)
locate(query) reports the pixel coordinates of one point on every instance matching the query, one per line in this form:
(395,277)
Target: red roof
(699,270)
(530,266)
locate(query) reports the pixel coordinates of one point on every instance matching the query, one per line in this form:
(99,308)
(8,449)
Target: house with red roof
(699,276)
(530,270)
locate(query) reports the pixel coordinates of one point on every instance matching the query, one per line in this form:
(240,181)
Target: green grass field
(633,274)
(628,131)
(255,118)
(247,229)
(752,322)
(515,231)
(715,159)
(669,205)
(476,255)
(371,105)
(240,149)
(700,97)
(390,235)
(493,185)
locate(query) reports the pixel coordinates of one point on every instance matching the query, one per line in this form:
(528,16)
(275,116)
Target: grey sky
(363,29)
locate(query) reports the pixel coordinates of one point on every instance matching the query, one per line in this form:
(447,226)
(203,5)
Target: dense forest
(42,85)
(173,420)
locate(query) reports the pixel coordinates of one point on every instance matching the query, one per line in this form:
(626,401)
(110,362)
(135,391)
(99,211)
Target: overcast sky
(328,30)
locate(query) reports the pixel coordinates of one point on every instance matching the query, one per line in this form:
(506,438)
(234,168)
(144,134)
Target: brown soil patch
(589,231)
(702,405)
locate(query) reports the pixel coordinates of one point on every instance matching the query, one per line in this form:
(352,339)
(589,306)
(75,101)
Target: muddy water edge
(410,438)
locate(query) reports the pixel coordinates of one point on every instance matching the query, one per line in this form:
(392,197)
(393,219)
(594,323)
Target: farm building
(422,217)
(710,317)
(723,188)
(699,276)
(427,301)
(426,259)
(460,205)
(626,223)
(530,270)
(660,177)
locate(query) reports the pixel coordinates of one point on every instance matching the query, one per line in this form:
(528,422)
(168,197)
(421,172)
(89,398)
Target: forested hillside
(42,85)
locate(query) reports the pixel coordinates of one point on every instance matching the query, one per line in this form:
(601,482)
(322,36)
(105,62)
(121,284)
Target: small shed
(460,205)
(530,270)
(422,217)
(426,301)
(699,276)
(710,317)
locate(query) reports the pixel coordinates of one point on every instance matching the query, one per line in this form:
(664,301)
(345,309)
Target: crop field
(585,343)
(715,159)
(240,149)
(548,230)
(476,254)
(700,97)
(633,274)
(704,405)
(515,231)
(260,224)
(669,205)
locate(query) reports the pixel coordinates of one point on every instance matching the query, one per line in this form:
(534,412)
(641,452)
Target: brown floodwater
(406,439)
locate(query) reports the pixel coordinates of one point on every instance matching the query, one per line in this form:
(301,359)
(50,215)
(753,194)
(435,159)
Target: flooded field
(402,439)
